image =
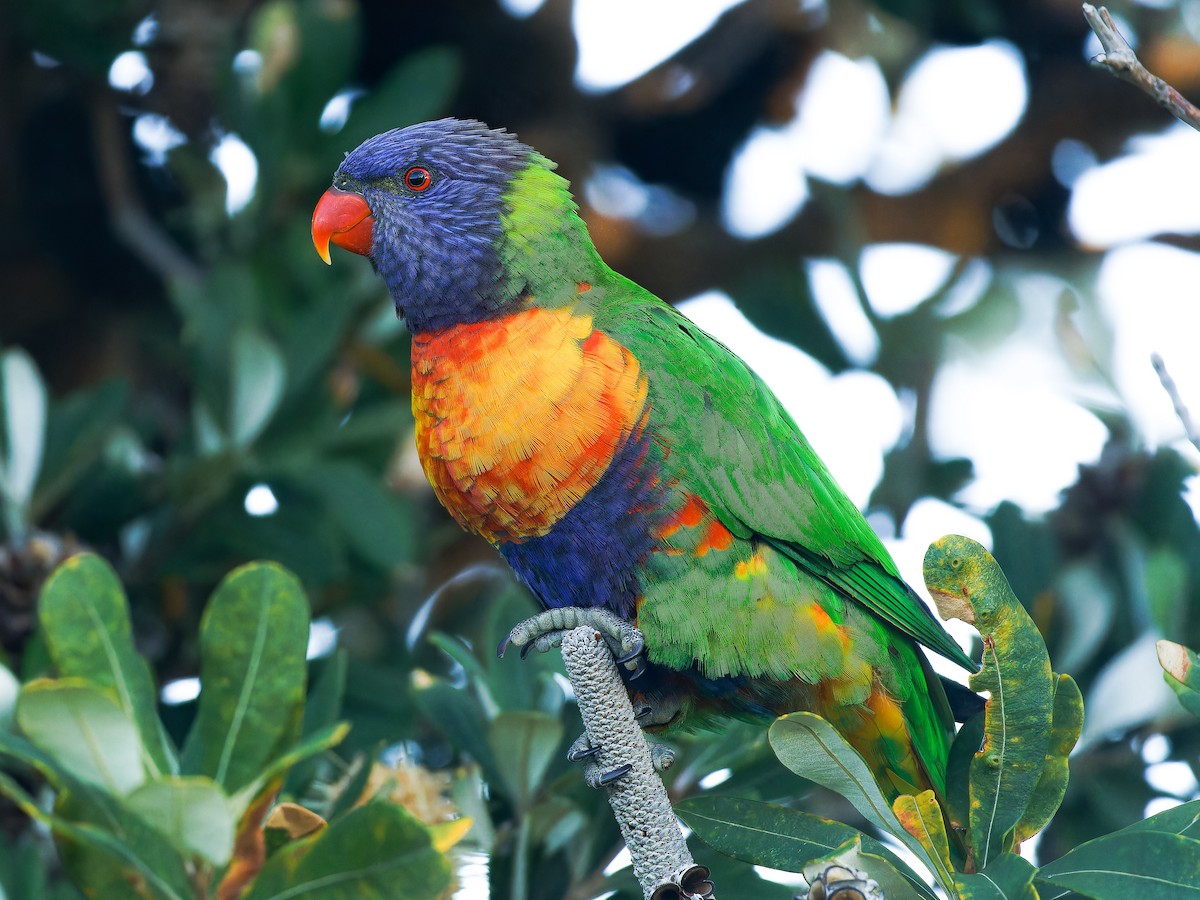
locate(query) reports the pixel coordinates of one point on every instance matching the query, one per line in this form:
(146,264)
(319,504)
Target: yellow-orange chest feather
(517,418)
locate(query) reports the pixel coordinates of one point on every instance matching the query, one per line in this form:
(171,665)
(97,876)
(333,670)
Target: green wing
(750,462)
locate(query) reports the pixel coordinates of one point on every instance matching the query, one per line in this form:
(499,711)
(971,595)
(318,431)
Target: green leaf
(1167,590)
(85,622)
(1148,865)
(373,851)
(523,744)
(317,742)
(1007,877)
(922,818)
(78,431)
(253,639)
(84,731)
(1052,784)
(967,582)
(24,403)
(777,837)
(958,768)
(122,857)
(1183,819)
(257,381)
(1181,671)
(810,747)
(458,716)
(321,710)
(192,812)
(373,520)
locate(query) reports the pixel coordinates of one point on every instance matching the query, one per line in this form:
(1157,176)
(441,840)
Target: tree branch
(661,860)
(130,221)
(1118,57)
(1181,410)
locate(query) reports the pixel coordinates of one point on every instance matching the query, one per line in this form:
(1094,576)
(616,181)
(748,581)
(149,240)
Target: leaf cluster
(1007,777)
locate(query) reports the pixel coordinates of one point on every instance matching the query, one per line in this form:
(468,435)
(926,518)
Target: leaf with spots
(253,639)
(84,618)
(813,749)
(1018,720)
(922,818)
(782,838)
(1181,671)
(1052,784)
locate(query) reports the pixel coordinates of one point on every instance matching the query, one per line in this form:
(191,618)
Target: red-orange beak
(344,218)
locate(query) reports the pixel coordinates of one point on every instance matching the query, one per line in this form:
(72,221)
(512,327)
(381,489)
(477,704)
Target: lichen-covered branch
(1118,57)
(661,860)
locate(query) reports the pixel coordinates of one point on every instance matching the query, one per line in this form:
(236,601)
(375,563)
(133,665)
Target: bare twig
(1118,57)
(1181,410)
(661,860)
(144,237)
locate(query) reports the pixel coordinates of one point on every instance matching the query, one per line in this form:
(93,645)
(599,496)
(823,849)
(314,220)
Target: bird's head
(463,222)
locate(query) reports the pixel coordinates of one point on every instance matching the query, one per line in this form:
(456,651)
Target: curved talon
(527,649)
(638,649)
(576,755)
(639,671)
(503,645)
(614,774)
(643,713)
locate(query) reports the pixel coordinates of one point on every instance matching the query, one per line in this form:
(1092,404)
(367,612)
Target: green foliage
(129,810)
(1021,740)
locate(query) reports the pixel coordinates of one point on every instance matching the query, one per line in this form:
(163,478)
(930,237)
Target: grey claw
(576,755)
(631,655)
(639,671)
(643,713)
(503,645)
(615,774)
(527,649)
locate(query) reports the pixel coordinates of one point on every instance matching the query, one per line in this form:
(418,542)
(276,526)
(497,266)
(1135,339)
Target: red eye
(417,178)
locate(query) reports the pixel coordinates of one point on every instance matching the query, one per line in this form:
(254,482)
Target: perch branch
(661,861)
(1118,57)
(1181,410)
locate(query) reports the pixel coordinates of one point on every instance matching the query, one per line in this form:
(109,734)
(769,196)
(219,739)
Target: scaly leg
(546,630)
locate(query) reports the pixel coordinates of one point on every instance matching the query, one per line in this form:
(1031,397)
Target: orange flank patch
(517,418)
(582,287)
(754,567)
(689,515)
(825,625)
(888,718)
(716,537)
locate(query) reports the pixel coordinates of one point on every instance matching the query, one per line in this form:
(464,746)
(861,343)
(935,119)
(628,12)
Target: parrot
(627,465)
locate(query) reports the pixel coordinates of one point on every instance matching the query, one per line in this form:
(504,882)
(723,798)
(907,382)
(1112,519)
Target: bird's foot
(596,776)
(545,631)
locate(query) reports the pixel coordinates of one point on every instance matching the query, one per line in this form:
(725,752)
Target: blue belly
(595,554)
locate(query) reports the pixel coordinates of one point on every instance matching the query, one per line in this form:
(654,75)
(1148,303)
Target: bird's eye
(417,179)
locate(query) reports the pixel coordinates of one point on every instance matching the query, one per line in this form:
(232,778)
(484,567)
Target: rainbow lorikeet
(618,457)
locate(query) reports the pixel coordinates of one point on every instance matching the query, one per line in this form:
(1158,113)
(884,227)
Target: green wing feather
(755,468)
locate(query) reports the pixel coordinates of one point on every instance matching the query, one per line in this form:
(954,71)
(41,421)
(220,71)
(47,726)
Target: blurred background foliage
(186,387)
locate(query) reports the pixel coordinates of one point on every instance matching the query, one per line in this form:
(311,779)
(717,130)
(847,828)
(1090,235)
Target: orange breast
(517,418)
